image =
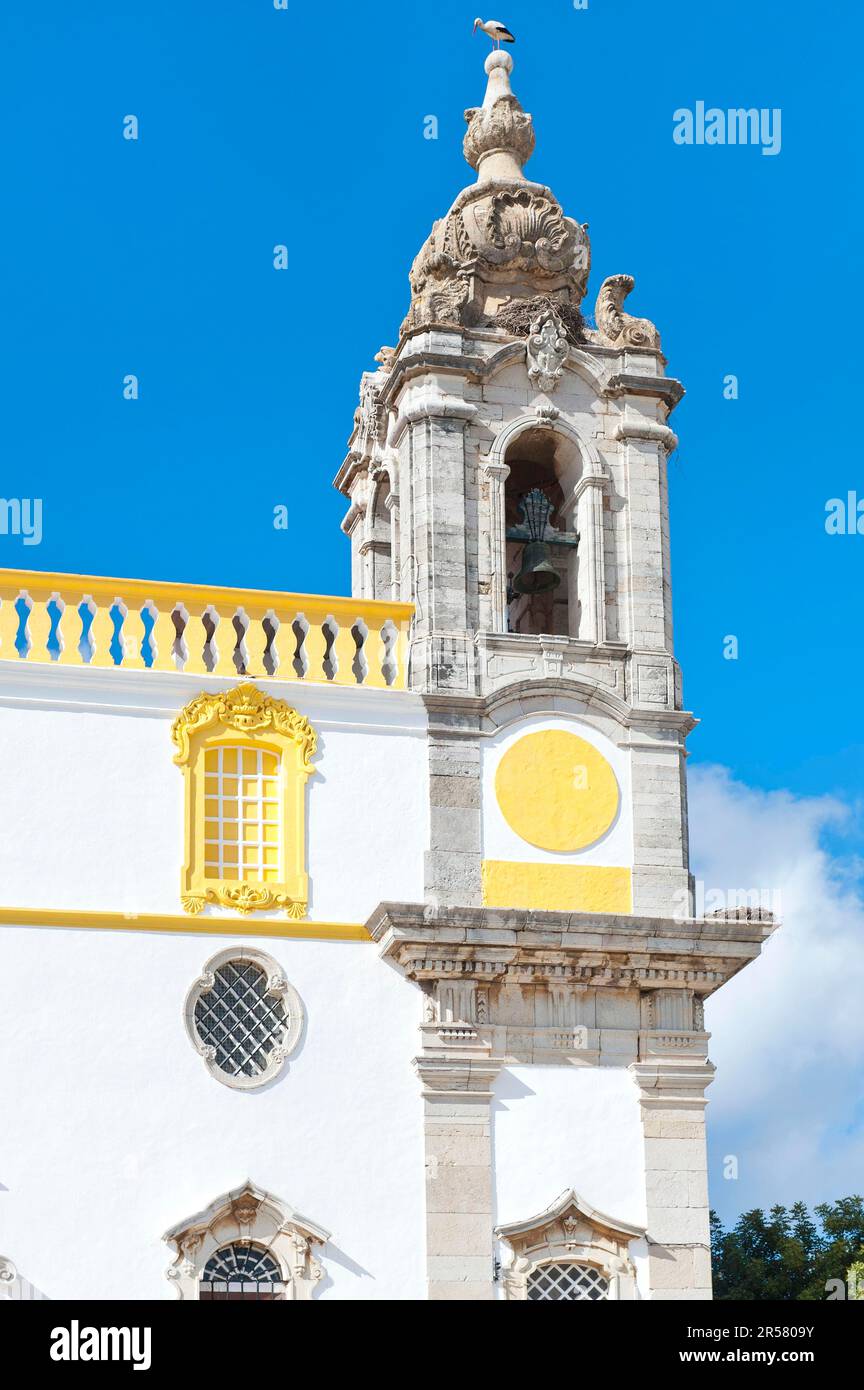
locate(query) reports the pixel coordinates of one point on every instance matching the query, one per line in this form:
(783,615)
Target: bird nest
(518,316)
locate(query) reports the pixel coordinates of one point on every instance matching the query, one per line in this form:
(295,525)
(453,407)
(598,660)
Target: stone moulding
(277,986)
(247,1214)
(570,1231)
(507,986)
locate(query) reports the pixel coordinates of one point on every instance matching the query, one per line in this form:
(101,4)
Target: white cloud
(788,1032)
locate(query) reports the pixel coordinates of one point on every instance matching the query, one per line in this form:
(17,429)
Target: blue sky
(305,127)
(260,127)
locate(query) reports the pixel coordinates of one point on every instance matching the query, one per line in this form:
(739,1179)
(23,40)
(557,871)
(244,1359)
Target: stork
(498,32)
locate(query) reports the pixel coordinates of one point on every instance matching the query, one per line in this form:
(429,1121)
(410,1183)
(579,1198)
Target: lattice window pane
(240,1019)
(241,815)
(568,1281)
(241,1270)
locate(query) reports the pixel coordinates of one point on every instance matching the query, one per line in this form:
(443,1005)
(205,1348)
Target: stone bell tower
(507,475)
(500,391)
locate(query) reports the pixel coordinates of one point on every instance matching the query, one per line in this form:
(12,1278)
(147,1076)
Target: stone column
(497,473)
(457,1098)
(591,578)
(676,1176)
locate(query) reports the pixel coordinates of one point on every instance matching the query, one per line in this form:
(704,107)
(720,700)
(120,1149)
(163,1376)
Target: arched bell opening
(542,552)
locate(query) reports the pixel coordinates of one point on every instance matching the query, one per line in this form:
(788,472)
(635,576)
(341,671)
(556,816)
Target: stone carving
(547,350)
(616,328)
(502,224)
(367,416)
(439,292)
(570,1230)
(245,1209)
(518,315)
(248,1214)
(525,229)
(504,126)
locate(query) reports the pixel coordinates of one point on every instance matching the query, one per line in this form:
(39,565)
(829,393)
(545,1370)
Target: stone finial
(500,137)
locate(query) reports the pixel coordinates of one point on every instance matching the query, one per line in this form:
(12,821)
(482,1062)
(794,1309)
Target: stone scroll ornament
(546,350)
(616,328)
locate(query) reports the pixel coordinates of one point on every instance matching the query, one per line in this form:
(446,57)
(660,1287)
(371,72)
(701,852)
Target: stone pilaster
(457,1099)
(442,652)
(672,1087)
(453,862)
(661,870)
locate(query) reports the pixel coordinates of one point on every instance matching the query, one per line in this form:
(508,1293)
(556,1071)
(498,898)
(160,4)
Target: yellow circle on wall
(556,791)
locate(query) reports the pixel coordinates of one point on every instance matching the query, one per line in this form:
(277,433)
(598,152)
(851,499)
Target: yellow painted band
(159,588)
(192,926)
(557,887)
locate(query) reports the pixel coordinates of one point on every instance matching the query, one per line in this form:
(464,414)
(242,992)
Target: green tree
(786,1255)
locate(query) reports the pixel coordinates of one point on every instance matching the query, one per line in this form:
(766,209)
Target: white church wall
(92,803)
(114,1131)
(557,1128)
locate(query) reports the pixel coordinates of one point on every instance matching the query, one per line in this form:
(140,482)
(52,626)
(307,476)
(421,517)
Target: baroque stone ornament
(248,1215)
(246,709)
(502,226)
(573,1233)
(503,126)
(547,350)
(616,328)
(524,229)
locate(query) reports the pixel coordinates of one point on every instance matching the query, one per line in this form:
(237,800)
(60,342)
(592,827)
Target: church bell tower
(507,475)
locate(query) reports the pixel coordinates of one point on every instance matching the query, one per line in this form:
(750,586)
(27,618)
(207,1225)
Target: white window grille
(567,1281)
(241,815)
(243,1017)
(242,1271)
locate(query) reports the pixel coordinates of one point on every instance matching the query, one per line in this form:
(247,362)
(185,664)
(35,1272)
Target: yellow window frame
(245,718)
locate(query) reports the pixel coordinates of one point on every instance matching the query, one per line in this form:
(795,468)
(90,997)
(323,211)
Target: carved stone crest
(547,349)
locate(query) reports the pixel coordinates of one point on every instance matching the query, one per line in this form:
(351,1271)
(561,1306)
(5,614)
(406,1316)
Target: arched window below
(247,1245)
(571,1252)
(242,1271)
(564,1280)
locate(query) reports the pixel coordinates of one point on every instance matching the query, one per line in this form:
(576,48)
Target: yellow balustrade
(135,623)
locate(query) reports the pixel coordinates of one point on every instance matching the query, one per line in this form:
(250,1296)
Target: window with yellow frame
(245,760)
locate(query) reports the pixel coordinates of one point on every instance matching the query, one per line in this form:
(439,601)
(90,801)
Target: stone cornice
(592,696)
(665,388)
(491,945)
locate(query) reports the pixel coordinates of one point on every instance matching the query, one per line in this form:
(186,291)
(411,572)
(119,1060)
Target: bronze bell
(537,575)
